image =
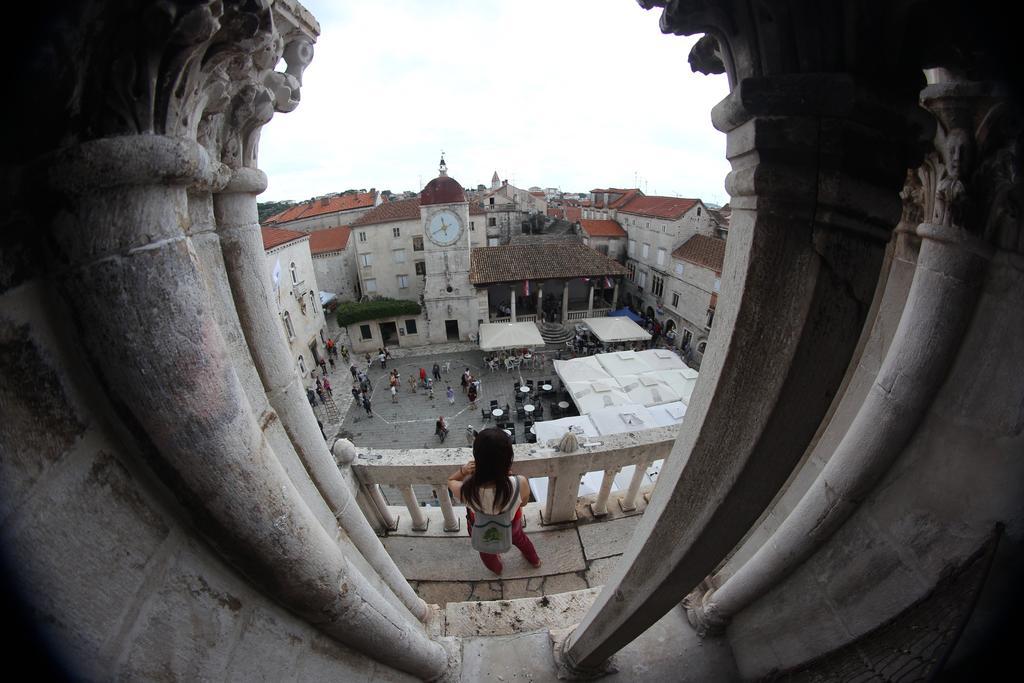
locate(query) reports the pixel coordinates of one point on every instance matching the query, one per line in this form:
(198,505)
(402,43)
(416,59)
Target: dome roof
(442,190)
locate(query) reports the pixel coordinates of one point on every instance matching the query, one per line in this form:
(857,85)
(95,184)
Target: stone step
(506,617)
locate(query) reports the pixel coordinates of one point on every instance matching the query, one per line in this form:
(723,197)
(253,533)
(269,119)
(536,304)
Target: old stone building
(842,502)
(326,212)
(296,294)
(334,262)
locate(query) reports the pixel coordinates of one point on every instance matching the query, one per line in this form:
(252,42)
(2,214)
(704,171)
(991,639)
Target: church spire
(443,168)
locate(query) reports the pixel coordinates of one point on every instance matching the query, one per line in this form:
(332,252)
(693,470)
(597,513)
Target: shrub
(358,311)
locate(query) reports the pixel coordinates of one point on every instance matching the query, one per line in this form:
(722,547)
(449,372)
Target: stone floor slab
(599,570)
(453,559)
(506,617)
(607,538)
(538,586)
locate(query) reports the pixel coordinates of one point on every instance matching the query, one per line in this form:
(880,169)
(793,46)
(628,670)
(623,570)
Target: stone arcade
(847,478)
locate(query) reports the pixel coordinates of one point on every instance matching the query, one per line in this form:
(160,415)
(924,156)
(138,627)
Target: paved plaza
(409,423)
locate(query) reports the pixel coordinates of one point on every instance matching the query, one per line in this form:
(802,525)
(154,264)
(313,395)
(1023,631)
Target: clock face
(444,228)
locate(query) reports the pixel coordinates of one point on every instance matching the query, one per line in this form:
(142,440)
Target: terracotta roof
(442,190)
(398,210)
(596,228)
(702,250)
(476,210)
(658,207)
(573,214)
(331,239)
(317,207)
(275,237)
(545,261)
(537,194)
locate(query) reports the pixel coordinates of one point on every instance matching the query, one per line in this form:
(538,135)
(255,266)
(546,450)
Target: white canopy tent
(605,380)
(584,369)
(615,329)
(497,336)
(619,363)
(664,359)
(668,413)
(648,389)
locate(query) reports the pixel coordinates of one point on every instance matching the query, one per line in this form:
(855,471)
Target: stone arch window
(302,366)
(701,347)
(295,275)
(289,330)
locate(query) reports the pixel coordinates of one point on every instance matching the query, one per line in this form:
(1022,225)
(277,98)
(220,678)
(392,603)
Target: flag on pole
(526,288)
(585,279)
(277,273)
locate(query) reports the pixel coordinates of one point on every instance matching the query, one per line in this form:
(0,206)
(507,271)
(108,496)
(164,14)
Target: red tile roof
(331,239)
(573,214)
(275,237)
(708,252)
(658,207)
(442,190)
(539,261)
(476,210)
(537,194)
(601,228)
(317,207)
(400,210)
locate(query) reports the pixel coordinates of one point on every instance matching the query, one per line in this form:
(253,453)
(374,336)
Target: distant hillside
(268,209)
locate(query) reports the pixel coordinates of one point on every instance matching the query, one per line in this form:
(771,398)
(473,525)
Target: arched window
(295,275)
(702,346)
(302,366)
(288,325)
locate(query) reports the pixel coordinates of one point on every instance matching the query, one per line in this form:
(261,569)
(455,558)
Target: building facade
(334,262)
(326,212)
(296,295)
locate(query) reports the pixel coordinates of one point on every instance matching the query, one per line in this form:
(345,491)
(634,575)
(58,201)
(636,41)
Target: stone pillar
(615,295)
(590,302)
(540,302)
(121,231)
(565,301)
(951,267)
(818,162)
(242,243)
(513,304)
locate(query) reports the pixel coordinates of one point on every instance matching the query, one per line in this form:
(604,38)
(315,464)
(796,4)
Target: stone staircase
(555,333)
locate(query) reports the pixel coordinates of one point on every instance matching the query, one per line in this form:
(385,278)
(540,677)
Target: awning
(327,297)
(646,378)
(496,336)
(615,329)
(635,317)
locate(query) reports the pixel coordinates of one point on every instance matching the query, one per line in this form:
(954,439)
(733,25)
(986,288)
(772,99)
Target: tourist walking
(412,384)
(472,393)
(330,359)
(323,365)
(423,377)
(353,370)
(383,360)
(320,392)
(327,387)
(465,380)
(394,393)
(441,429)
(366,404)
(430,389)
(494,499)
(437,372)
(311,397)
(355,393)
(450,393)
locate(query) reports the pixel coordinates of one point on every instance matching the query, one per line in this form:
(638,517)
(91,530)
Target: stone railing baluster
(419,520)
(599,507)
(373,490)
(628,502)
(451,522)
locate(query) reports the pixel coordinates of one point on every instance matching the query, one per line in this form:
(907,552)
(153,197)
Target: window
(602,249)
(718,283)
(417,243)
(302,366)
(631,271)
(702,347)
(645,251)
(366,259)
(397,232)
(661,257)
(288,325)
(472,226)
(679,269)
(398,255)
(410,327)
(711,319)
(403,281)
(657,285)
(632,247)
(371,285)
(295,275)
(687,336)
(492,241)
(421,267)
(491,202)
(491,222)
(641,279)
(365,332)
(675,299)
(312,299)
(698,211)
(362,237)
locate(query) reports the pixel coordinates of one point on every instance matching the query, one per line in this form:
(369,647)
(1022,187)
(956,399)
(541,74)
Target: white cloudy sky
(574,94)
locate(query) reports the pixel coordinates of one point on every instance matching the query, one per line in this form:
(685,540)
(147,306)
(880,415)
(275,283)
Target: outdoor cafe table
(524,389)
(528,408)
(545,387)
(563,404)
(497,412)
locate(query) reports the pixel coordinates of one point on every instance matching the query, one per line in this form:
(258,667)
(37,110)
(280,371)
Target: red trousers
(519,540)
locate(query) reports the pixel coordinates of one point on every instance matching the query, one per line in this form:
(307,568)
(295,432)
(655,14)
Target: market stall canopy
(636,317)
(496,336)
(615,329)
(648,378)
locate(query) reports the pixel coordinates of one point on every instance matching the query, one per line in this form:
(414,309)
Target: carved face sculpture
(958,152)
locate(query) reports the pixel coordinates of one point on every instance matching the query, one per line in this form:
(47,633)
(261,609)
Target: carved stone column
(818,158)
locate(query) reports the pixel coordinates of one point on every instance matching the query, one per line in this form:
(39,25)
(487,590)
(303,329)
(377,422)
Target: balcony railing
(403,469)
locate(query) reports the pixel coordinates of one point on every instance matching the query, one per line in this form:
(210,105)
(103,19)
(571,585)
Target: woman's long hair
(492,452)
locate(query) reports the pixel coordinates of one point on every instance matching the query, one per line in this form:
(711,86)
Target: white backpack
(493,533)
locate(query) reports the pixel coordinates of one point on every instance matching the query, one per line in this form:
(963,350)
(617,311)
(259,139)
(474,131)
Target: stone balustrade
(374,467)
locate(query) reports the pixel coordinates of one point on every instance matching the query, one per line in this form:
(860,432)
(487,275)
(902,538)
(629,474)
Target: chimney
(323,201)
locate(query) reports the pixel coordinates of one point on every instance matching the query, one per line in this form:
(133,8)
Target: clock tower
(449,300)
